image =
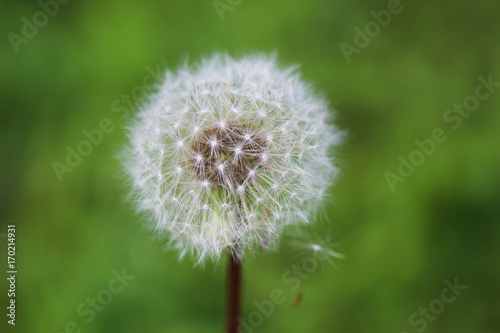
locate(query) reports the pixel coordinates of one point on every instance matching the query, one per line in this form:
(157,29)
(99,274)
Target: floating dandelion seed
(311,245)
(227,154)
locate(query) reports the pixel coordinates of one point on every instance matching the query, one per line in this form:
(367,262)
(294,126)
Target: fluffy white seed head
(228,153)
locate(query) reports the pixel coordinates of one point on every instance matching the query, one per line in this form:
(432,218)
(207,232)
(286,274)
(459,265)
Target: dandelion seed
(319,246)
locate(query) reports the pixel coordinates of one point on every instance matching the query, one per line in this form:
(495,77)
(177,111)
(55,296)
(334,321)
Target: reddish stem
(234,293)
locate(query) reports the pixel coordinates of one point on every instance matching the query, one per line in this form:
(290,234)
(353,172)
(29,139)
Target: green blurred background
(440,223)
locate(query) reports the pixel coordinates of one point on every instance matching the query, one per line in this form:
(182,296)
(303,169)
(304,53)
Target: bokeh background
(441,223)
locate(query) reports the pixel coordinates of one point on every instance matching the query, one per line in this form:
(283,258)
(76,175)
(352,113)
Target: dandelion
(227,154)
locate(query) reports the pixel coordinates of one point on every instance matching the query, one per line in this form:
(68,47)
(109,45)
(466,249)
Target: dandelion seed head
(228,153)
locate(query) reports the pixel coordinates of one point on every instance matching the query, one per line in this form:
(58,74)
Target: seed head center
(227,156)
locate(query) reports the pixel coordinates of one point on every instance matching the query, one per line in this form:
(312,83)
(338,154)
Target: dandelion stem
(234,292)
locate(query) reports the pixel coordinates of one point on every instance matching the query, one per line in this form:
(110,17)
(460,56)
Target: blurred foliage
(440,223)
